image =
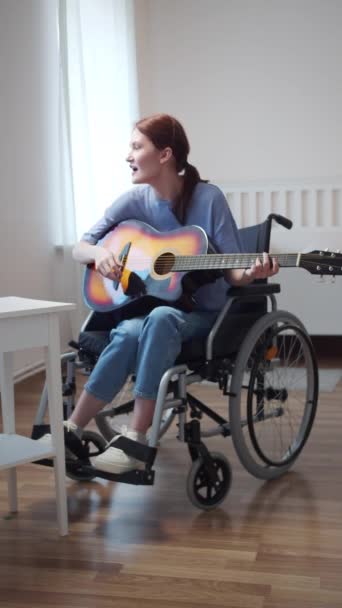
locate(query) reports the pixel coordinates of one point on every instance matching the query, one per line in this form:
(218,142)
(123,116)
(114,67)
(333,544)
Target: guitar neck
(216,261)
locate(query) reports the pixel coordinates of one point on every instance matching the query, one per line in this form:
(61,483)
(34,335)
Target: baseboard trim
(28,371)
(327,345)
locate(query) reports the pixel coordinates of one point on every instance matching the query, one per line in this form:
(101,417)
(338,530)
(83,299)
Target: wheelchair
(262,360)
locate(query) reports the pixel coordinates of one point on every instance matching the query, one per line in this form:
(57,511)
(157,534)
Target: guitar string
(234,260)
(214,258)
(228,256)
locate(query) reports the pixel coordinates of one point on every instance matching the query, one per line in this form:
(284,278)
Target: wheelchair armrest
(263,289)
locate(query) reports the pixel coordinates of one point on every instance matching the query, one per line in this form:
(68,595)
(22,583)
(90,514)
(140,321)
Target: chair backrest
(256,238)
(234,323)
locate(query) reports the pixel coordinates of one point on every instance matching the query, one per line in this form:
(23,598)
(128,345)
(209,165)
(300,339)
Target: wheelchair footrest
(136,477)
(38,430)
(45,462)
(70,465)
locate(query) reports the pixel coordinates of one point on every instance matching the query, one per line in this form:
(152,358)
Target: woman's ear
(165,155)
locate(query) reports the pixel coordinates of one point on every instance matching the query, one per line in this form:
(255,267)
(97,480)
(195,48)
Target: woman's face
(144,159)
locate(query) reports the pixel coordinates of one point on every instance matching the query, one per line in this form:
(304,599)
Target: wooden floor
(271,545)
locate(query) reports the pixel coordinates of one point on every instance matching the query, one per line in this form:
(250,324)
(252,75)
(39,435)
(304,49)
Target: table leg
(8,416)
(55,401)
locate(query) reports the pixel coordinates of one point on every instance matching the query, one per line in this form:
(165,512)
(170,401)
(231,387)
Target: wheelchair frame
(261,353)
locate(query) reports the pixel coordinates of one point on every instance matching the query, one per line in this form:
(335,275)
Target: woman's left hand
(262,269)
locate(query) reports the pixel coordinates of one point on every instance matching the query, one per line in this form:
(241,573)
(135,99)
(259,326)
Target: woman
(172,194)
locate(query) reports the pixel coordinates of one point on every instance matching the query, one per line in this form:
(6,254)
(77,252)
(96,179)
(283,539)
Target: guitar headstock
(324,263)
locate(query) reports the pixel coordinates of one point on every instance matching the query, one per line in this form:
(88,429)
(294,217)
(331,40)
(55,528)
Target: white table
(26,323)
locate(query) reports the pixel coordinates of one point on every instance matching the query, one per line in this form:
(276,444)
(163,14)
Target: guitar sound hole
(164,263)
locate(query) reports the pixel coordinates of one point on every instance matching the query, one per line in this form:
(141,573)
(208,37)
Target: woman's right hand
(106,264)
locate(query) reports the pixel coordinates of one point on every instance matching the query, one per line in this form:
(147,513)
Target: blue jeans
(146,346)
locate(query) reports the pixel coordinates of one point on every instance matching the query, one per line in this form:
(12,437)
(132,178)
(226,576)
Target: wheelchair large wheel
(202,492)
(273,395)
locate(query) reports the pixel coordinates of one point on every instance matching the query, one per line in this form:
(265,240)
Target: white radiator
(316,211)
(308,205)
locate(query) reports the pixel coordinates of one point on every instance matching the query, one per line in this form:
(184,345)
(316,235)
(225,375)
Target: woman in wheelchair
(169,193)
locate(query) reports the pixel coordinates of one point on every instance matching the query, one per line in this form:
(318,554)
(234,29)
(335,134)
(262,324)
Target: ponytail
(191,179)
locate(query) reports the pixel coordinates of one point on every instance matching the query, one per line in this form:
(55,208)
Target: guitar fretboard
(231,260)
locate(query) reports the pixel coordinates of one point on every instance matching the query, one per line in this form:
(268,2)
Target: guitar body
(138,246)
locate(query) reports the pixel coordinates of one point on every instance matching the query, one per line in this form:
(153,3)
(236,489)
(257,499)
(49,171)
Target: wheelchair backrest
(242,312)
(256,239)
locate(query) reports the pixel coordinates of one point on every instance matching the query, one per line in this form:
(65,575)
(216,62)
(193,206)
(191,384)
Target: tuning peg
(320,279)
(333,278)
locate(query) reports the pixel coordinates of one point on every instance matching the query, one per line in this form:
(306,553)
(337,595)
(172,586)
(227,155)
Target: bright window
(99,102)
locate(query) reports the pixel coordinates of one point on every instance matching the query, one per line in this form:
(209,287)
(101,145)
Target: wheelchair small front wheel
(203,493)
(95,445)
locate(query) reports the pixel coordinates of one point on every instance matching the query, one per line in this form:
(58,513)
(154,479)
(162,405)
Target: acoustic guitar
(155,264)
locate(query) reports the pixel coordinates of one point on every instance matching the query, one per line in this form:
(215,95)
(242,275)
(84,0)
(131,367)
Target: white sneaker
(113,460)
(71,427)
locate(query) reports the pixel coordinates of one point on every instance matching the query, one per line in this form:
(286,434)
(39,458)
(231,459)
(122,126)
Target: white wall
(258,87)
(257,83)
(28,149)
